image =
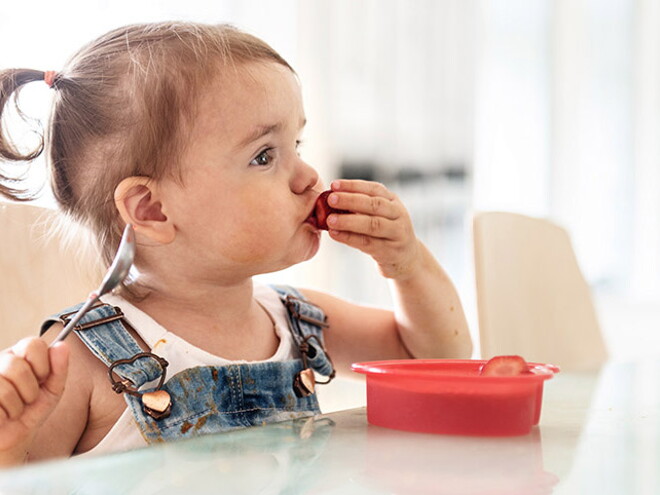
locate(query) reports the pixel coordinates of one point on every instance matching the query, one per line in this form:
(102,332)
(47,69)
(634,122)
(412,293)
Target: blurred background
(549,108)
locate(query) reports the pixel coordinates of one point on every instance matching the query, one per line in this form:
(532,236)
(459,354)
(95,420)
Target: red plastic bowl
(451,397)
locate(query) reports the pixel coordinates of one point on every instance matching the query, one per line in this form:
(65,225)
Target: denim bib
(208,399)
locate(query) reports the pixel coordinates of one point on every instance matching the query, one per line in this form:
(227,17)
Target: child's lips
(311,219)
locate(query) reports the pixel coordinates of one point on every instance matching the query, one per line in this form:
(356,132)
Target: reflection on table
(599,433)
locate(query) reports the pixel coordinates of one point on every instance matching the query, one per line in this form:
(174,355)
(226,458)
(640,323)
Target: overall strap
(307,322)
(103,331)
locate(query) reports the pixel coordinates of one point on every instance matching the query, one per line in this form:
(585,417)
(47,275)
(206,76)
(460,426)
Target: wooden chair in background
(38,276)
(532,299)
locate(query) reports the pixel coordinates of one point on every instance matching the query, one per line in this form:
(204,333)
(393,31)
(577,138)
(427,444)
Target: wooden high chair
(531,296)
(38,276)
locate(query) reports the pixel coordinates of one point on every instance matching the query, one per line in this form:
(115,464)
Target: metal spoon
(114,276)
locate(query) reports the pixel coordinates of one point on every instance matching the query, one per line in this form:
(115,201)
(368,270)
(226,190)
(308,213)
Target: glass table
(599,433)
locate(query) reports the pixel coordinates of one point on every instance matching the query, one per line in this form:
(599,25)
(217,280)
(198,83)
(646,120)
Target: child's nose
(304,177)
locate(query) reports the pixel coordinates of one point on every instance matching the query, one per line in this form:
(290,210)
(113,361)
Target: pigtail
(11,82)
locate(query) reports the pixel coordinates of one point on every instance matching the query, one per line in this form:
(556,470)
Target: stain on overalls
(209,399)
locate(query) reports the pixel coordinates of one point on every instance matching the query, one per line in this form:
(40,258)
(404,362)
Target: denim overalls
(208,399)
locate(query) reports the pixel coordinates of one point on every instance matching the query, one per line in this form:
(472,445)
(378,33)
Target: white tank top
(181,355)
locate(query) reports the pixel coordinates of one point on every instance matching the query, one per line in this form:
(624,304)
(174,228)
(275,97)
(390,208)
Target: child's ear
(138,202)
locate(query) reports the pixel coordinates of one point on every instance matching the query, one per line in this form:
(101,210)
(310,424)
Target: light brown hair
(123,107)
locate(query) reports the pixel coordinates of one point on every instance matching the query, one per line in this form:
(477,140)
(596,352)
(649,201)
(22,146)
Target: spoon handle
(91,299)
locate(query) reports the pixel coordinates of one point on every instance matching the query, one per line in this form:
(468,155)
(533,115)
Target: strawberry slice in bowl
(319,216)
(505,366)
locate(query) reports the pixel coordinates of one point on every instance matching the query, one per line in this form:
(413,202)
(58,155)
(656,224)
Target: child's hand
(32,379)
(379,225)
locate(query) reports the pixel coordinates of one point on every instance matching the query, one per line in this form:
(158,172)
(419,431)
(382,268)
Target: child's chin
(314,247)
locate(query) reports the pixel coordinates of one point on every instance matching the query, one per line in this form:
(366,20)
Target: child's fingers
(11,403)
(363,203)
(59,366)
(358,241)
(362,186)
(35,352)
(371,226)
(18,372)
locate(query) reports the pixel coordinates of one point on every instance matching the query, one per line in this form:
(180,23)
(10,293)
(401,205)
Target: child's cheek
(253,241)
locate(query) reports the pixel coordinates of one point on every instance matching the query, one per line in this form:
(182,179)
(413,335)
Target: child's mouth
(311,219)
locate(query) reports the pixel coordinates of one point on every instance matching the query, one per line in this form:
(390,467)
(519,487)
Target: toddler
(190,133)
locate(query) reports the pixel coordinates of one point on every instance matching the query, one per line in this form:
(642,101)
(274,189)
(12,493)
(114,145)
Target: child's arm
(428,320)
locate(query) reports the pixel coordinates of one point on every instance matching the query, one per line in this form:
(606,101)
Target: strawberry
(322,209)
(504,366)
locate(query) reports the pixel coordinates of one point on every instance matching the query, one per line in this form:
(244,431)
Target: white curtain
(568,123)
(645,207)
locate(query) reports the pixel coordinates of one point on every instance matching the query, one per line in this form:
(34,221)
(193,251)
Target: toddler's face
(247,193)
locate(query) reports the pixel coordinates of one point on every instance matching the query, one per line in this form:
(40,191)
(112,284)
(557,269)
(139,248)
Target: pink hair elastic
(49,77)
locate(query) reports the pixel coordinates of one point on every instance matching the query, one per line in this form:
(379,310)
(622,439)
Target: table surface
(599,433)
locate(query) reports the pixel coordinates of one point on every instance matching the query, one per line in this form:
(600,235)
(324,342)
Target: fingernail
(333,199)
(332,219)
(334,185)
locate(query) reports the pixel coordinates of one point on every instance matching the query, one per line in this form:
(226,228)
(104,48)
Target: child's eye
(262,158)
(298,145)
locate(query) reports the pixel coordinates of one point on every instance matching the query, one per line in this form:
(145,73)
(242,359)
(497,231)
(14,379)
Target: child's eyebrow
(258,132)
(262,130)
